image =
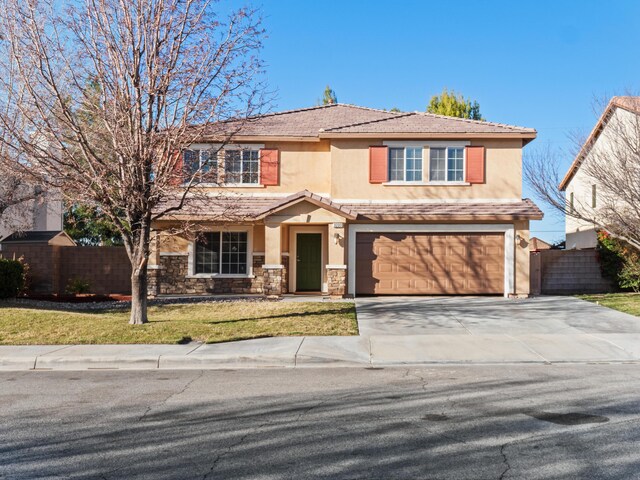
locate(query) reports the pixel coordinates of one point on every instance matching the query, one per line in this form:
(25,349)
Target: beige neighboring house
(346,200)
(40,215)
(581,190)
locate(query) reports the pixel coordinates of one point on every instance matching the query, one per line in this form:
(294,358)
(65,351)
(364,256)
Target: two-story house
(346,200)
(615,131)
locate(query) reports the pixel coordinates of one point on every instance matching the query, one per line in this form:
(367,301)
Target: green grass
(178,323)
(624,302)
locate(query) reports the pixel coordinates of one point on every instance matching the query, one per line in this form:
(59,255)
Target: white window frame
(220,162)
(203,147)
(233,229)
(404,148)
(446,180)
(241,147)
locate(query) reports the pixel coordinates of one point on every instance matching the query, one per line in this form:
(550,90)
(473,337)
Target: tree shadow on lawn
(345,312)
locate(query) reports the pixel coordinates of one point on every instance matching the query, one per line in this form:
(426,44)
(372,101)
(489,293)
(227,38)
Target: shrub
(11,277)
(77,285)
(619,261)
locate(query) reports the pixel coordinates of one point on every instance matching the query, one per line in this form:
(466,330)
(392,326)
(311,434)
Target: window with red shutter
(378,169)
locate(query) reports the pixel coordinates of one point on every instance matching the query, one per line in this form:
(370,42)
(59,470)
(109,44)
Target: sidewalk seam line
(528,347)
(295,357)
(35,361)
(611,343)
(457,320)
(191,351)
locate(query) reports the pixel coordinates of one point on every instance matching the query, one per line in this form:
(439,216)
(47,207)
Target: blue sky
(536,64)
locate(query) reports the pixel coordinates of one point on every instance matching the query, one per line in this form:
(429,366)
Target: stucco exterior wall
(303,165)
(350,175)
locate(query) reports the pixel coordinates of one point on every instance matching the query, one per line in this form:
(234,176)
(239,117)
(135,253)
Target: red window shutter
(378,170)
(475,164)
(269,166)
(177,175)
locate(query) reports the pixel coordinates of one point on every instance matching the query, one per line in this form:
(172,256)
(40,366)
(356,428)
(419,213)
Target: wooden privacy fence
(567,272)
(51,267)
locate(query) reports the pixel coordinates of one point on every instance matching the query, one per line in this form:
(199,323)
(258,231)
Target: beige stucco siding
(303,165)
(350,175)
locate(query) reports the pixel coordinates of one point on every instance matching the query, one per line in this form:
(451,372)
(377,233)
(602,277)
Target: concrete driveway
(495,329)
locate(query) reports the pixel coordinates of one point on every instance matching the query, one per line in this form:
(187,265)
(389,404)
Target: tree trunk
(139,296)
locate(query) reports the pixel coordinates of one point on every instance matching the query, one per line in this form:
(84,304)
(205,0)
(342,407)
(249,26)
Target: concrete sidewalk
(297,352)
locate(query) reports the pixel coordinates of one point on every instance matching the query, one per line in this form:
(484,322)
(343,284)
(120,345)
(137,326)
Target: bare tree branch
(99,97)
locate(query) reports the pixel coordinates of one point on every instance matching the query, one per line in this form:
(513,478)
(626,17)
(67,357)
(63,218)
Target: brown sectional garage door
(429,264)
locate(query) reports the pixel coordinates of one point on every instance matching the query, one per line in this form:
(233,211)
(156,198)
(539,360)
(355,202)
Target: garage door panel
(429,264)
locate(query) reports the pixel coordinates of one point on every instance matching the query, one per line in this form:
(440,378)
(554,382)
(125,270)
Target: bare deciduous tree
(609,159)
(98,97)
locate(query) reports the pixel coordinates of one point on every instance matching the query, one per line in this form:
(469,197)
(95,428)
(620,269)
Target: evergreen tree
(329,96)
(452,104)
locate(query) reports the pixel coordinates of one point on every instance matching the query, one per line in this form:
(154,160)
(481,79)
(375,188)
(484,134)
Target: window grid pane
(234,252)
(396,164)
(455,164)
(207,253)
(413,166)
(232,166)
(250,165)
(437,165)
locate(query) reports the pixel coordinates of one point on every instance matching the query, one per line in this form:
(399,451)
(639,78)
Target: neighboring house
(536,244)
(582,191)
(346,200)
(43,214)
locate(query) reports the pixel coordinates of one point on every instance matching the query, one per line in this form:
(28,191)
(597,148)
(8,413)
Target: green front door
(309,262)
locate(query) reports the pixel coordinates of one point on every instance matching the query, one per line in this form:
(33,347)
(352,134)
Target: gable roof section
(312,198)
(343,120)
(38,236)
(631,104)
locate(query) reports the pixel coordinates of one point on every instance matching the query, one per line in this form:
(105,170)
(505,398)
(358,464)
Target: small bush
(619,261)
(11,277)
(77,285)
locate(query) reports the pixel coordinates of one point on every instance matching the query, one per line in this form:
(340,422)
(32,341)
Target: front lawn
(177,323)
(624,302)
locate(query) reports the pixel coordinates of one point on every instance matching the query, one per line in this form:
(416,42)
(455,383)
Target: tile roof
(313,198)
(342,119)
(519,209)
(236,208)
(631,104)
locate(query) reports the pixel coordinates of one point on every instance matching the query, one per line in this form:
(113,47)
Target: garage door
(429,264)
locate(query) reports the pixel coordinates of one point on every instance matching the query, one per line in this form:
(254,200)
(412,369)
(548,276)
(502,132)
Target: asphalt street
(444,422)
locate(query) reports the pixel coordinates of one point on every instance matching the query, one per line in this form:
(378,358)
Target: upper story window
(221,252)
(405,164)
(202,162)
(242,166)
(446,164)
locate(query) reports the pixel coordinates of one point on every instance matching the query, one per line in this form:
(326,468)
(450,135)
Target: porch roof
(252,208)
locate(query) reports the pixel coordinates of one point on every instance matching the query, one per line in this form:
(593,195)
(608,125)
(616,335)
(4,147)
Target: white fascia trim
(400,183)
(228,146)
(336,267)
(272,267)
(426,143)
(506,228)
(426,200)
